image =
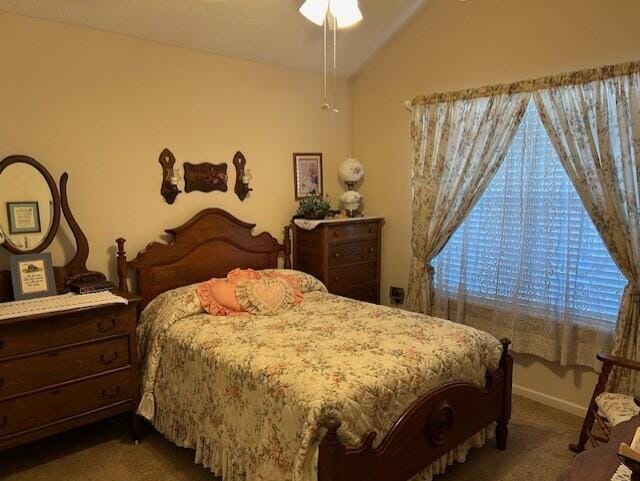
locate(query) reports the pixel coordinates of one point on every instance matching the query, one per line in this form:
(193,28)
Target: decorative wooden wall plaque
(205,177)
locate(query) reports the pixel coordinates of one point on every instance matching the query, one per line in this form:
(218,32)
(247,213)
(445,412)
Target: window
(529,243)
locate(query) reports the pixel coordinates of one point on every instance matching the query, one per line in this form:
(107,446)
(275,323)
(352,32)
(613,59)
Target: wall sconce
(243,176)
(170,177)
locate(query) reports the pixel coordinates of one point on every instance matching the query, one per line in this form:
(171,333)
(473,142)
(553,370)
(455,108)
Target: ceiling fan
(336,14)
(346,12)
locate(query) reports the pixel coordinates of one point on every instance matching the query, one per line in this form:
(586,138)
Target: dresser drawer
(353,252)
(27,337)
(56,366)
(366,292)
(342,278)
(353,231)
(34,410)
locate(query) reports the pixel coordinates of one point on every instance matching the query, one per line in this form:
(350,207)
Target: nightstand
(344,254)
(66,369)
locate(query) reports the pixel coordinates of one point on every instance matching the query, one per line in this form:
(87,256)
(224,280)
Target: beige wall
(452,45)
(102,106)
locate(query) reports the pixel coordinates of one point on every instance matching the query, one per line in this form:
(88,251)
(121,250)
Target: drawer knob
(336,278)
(110,394)
(336,255)
(372,250)
(4,420)
(335,233)
(107,326)
(371,230)
(371,294)
(370,271)
(106,359)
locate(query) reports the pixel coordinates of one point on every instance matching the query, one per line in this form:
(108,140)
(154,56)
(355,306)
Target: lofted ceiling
(266,31)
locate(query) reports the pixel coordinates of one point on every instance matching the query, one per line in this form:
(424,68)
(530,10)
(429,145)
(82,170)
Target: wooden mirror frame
(55,221)
(78,264)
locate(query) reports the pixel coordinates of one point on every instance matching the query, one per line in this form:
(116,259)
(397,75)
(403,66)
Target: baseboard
(552,401)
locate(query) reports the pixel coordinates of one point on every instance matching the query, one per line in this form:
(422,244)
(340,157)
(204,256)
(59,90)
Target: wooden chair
(607,410)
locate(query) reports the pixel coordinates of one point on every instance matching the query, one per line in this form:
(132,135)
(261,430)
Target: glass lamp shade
(347,12)
(350,171)
(315,10)
(351,202)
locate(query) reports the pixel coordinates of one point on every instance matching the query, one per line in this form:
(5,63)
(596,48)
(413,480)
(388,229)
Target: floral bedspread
(249,393)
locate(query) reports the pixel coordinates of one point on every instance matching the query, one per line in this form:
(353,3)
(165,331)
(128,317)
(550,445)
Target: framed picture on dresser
(307,174)
(32,276)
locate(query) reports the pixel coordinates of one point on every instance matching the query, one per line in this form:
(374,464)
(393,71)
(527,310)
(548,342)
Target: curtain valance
(561,80)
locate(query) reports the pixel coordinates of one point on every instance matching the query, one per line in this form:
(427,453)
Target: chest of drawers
(62,370)
(344,254)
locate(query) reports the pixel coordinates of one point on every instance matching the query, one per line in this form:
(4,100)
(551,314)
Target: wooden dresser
(344,254)
(62,370)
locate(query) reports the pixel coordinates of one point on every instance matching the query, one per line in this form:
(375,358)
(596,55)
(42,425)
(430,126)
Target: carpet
(537,451)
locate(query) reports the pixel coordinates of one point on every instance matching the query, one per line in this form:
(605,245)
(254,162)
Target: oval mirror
(29,205)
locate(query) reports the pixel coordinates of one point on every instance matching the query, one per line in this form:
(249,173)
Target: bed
(331,390)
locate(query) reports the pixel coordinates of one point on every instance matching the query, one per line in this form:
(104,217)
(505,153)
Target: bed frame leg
(331,455)
(502,435)
(506,364)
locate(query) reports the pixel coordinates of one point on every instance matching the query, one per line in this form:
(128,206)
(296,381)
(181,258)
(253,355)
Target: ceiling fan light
(347,12)
(315,10)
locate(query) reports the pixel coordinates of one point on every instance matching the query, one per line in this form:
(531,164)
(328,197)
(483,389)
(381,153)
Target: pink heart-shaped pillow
(266,296)
(272,296)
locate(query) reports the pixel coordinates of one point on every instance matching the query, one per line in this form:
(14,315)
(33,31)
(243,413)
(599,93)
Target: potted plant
(314,207)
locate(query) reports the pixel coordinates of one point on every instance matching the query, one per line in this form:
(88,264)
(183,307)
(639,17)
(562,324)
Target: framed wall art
(32,276)
(307,172)
(24,217)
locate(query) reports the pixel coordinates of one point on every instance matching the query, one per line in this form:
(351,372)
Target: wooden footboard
(433,425)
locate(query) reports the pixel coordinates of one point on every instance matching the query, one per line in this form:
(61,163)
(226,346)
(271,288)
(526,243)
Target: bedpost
(287,247)
(506,364)
(122,266)
(331,454)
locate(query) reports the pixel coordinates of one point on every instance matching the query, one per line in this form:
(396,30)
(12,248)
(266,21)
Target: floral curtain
(458,146)
(524,262)
(595,128)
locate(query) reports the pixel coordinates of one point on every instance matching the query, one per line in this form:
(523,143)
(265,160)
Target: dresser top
(309,224)
(131,299)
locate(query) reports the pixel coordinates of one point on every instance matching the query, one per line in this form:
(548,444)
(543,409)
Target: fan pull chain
(325,105)
(335,65)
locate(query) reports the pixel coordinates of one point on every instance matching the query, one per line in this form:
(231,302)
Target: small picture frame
(307,174)
(24,217)
(32,276)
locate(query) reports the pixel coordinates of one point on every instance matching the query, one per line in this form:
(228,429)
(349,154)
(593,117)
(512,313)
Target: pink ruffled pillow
(248,274)
(219,297)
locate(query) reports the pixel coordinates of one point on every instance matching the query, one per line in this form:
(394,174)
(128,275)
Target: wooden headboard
(209,245)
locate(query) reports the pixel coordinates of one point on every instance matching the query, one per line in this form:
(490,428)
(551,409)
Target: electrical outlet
(396,295)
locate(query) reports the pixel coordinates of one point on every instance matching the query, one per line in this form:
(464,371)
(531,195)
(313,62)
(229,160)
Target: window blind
(529,243)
